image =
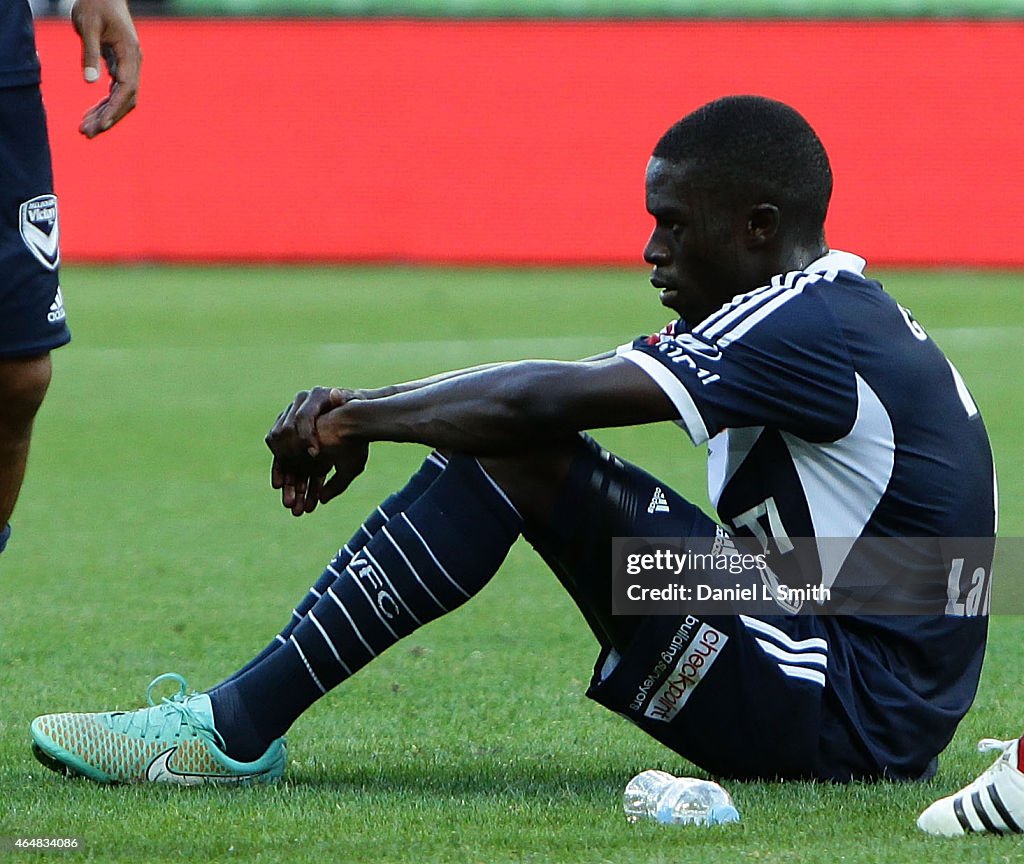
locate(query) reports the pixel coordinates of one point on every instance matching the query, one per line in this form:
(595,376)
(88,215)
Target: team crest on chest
(40,229)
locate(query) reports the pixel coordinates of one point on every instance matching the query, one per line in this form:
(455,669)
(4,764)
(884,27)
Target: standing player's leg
(32,320)
(23,384)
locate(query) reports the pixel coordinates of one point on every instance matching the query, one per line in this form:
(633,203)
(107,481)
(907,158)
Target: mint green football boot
(171,742)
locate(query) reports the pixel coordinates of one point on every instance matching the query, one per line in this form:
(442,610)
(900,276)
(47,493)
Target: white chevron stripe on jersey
(764,310)
(742,305)
(812,658)
(753,303)
(783,639)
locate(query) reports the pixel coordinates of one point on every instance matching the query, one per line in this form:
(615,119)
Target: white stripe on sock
(433,557)
(412,569)
(309,668)
(394,591)
(498,489)
(352,623)
(330,644)
(373,604)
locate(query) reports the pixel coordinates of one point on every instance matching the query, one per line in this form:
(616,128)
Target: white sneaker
(993,803)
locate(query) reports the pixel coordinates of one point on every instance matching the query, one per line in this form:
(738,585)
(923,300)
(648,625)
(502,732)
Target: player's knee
(532,480)
(23,386)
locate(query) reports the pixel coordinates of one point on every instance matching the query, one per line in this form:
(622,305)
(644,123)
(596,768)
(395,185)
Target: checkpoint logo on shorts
(40,229)
(693,664)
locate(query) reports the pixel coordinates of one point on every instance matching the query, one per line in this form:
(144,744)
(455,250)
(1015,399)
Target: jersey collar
(834,261)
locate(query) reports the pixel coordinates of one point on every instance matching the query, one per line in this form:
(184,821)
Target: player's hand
(300,466)
(347,456)
(106,30)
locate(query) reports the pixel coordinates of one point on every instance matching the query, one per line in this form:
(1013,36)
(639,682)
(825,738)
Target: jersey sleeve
(788,368)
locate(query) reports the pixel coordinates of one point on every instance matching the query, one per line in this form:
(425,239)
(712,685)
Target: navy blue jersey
(821,394)
(19,64)
(830,413)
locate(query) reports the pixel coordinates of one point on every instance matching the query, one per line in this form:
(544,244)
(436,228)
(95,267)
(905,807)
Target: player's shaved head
(753,149)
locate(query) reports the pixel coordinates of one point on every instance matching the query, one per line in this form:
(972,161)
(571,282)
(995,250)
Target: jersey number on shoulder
(915,328)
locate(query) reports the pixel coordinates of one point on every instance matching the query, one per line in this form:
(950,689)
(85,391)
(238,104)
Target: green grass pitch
(148,540)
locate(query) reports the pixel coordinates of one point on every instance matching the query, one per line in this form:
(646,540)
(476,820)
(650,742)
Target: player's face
(697,247)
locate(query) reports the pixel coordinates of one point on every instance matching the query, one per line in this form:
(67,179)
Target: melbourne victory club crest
(40,229)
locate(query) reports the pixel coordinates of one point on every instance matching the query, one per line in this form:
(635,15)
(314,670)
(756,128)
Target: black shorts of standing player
(744,696)
(32,317)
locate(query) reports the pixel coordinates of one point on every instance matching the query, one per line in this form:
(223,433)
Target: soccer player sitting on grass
(828,413)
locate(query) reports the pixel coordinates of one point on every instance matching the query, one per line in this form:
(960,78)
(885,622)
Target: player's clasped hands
(302,461)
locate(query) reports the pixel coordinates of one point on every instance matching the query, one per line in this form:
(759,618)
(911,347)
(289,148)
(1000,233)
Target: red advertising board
(523,142)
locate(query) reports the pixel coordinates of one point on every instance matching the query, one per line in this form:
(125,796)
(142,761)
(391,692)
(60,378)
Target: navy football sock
(428,472)
(425,562)
(5,535)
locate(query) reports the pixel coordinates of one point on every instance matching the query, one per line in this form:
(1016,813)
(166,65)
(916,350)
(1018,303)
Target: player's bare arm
(106,30)
(299,469)
(394,389)
(504,409)
(493,410)
(299,418)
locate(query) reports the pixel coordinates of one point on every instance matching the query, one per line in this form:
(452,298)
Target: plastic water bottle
(672,800)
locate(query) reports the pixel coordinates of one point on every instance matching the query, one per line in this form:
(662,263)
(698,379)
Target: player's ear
(762,224)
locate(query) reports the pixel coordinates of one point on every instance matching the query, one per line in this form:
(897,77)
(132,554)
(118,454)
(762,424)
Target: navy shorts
(765,697)
(32,317)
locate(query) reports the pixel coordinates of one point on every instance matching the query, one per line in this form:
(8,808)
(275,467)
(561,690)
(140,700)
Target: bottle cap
(723,813)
